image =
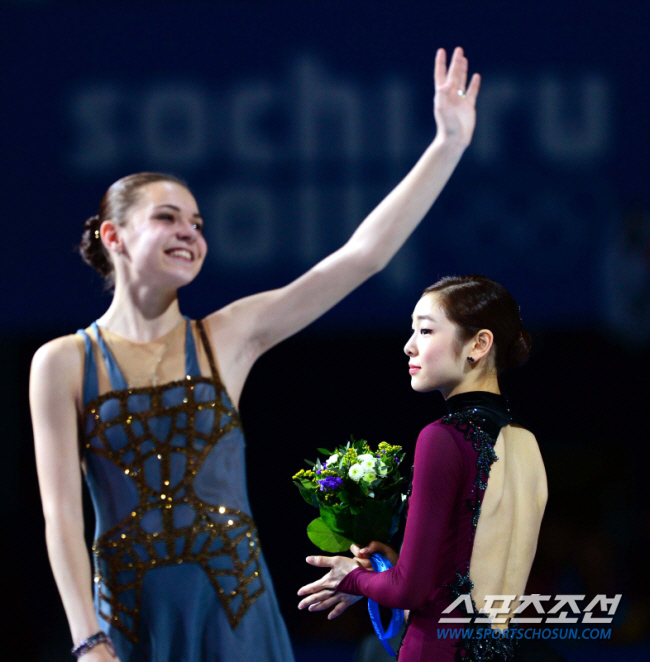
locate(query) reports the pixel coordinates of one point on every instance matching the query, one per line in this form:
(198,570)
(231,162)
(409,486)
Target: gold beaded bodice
(165,468)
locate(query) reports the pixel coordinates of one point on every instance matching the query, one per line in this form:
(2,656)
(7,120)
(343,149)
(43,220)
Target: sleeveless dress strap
(90,383)
(208,352)
(114,373)
(191,359)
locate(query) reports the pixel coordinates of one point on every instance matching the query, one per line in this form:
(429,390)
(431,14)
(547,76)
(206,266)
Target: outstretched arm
(250,326)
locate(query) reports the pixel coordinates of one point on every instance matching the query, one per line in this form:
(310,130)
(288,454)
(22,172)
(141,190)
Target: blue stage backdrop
(290,121)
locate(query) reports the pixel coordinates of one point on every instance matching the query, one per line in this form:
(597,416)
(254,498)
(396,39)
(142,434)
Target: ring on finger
(461,94)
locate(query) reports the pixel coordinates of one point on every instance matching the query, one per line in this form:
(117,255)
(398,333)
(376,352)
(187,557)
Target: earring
(470,360)
(120,250)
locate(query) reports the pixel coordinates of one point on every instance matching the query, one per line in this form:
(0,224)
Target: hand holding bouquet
(358,493)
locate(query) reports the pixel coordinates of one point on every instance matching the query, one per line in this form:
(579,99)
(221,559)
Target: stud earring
(470,360)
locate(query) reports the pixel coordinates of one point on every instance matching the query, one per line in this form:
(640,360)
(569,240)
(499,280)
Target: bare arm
(250,326)
(54,394)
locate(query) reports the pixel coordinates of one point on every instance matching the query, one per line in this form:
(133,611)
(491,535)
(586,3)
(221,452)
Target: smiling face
(437,360)
(162,241)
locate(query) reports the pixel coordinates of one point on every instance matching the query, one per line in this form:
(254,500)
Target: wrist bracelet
(92,641)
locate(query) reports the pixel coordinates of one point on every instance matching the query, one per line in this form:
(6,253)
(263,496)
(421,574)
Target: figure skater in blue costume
(143,402)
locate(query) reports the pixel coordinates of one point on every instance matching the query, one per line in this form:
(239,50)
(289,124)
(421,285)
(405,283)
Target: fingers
(316,598)
(321,561)
(324,600)
(374,547)
(440,68)
(338,610)
(328,601)
(359,553)
(463,67)
(378,547)
(313,587)
(457,73)
(472,90)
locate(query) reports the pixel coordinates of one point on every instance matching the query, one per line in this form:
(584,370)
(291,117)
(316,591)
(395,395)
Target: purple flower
(330,483)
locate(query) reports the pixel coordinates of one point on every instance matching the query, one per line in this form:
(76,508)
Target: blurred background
(290,121)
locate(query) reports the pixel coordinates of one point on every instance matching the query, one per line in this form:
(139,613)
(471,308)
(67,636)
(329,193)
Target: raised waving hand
(454,102)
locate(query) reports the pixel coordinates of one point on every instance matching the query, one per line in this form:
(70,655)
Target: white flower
(356,472)
(383,468)
(369,476)
(333,459)
(366,456)
(368,465)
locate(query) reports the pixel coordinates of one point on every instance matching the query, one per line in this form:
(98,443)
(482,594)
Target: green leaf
(324,538)
(310,463)
(324,451)
(338,518)
(344,497)
(307,495)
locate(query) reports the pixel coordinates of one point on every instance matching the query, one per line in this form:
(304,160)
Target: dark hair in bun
(114,205)
(476,302)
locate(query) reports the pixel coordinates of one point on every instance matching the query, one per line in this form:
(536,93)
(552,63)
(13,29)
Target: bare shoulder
(61,352)
(59,360)
(525,438)
(529,458)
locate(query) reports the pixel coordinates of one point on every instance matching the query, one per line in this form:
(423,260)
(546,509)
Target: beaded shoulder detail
(480,425)
(472,423)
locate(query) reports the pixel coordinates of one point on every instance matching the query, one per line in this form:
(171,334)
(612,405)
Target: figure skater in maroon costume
(479,485)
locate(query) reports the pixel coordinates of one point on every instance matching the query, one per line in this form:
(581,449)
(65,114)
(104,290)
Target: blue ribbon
(379,564)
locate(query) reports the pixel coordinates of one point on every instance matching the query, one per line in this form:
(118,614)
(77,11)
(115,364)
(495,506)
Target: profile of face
(433,349)
(162,240)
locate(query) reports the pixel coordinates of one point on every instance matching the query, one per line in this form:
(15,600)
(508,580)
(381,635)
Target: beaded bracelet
(92,641)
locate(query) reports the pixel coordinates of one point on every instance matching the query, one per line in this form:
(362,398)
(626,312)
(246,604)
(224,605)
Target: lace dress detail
(479,424)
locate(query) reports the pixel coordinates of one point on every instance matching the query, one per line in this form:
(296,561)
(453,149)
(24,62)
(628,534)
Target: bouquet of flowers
(358,493)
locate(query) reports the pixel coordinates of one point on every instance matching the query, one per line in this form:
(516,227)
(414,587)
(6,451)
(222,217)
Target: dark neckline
(483,399)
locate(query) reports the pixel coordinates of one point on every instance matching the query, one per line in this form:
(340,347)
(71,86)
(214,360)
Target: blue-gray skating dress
(179,575)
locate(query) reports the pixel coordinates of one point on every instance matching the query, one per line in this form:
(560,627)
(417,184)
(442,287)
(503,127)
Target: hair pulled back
(476,302)
(114,205)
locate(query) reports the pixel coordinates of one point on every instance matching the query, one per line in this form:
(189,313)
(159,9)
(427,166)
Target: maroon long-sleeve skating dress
(452,463)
